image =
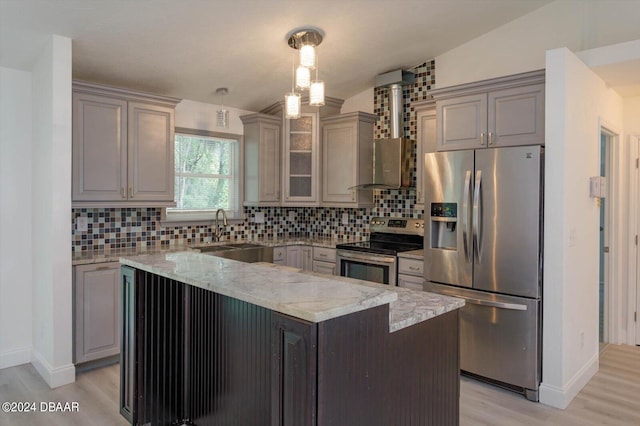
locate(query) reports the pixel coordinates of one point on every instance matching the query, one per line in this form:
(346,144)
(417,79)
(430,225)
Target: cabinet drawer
(410,267)
(324,267)
(324,254)
(410,281)
(279,254)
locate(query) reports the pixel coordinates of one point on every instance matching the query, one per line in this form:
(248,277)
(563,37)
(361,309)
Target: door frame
(633,301)
(608,304)
(616,273)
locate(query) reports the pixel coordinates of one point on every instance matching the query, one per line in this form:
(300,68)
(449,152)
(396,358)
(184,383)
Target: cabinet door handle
(123,193)
(482,138)
(490,138)
(102,268)
(414,268)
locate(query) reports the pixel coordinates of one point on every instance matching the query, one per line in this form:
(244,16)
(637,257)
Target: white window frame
(206,217)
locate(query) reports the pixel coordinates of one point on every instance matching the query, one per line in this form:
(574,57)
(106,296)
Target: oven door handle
(369,258)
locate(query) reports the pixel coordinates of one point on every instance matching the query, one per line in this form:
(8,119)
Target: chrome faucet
(218,231)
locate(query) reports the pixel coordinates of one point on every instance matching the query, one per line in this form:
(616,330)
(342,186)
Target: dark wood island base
(193,356)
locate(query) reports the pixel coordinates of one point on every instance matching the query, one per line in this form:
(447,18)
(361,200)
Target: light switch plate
(345,218)
(259,217)
(82,224)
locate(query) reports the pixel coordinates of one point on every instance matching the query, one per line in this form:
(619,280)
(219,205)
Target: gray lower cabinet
(300,257)
(324,260)
(411,273)
(96,311)
(280,255)
(507,111)
(123,143)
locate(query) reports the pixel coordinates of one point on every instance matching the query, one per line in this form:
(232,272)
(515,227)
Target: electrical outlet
(82,224)
(292,215)
(259,217)
(345,218)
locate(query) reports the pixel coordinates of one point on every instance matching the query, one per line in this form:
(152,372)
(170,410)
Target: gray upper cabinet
(122,147)
(261,159)
(507,111)
(347,159)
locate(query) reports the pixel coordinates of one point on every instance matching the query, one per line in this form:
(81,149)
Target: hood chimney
(395,80)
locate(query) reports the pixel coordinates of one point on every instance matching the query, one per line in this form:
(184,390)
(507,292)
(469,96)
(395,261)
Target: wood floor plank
(610,398)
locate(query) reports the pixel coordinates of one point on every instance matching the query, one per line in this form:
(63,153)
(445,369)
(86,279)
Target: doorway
(604,282)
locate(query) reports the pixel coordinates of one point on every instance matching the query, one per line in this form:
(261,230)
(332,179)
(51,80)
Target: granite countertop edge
(113,255)
(304,296)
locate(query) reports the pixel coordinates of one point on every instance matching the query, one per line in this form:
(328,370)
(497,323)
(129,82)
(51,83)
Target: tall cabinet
(122,147)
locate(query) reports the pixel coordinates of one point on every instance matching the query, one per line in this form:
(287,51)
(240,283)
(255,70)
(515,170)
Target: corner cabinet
(97,311)
(261,159)
(506,111)
(300,157)
(122,147)
(425,143)
(347,159)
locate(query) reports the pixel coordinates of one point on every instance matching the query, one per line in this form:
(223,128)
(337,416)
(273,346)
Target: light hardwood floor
(610,398)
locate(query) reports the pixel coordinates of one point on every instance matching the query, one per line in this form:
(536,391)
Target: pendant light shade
(303,77)
(292,105)
(308,56)
(222,115)
(316,93)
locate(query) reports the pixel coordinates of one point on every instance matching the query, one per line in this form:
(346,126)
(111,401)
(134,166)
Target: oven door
(367,266)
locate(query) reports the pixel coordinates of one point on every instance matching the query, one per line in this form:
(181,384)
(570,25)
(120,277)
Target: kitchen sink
(244,252)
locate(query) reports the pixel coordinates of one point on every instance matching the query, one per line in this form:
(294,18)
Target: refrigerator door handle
(477,216)
(466,232)
(501,305)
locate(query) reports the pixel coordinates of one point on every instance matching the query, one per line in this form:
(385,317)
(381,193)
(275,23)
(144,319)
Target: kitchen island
(208,340)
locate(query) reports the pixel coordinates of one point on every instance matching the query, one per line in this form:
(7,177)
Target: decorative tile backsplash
(115,228)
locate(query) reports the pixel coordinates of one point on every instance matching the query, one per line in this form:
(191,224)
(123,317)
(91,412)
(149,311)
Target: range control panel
(397,225)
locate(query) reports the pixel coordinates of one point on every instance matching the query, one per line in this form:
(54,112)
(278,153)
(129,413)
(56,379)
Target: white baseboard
(15,357)
(561,397)
(54,376)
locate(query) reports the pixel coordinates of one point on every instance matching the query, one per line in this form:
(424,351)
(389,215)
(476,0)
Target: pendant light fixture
(306,40)
(292,102)
(222,115)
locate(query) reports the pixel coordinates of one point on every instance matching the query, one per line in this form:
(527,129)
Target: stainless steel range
(377,259)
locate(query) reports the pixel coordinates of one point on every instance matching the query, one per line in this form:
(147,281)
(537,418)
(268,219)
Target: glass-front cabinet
(300,172)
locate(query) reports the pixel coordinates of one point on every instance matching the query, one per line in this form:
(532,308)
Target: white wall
(51,198)
(632,116)
(519,45)
(15,217)
(202,116)
(577,102)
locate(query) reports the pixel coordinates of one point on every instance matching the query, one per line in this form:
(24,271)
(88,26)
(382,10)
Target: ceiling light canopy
(306,40)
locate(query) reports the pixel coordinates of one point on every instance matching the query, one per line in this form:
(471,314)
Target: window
(206,176)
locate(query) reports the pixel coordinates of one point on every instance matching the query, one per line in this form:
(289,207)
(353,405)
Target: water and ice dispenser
(444,221)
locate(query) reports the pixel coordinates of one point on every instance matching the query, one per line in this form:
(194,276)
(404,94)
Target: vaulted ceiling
(188,48)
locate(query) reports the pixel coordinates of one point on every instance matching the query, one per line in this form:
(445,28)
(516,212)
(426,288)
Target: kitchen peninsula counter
(262,344)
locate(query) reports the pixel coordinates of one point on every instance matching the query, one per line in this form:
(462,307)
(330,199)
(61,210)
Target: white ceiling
(188,48)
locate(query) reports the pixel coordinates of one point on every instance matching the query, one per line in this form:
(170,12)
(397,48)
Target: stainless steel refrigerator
(483,243)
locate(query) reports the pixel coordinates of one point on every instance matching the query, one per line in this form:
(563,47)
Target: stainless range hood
(393,158)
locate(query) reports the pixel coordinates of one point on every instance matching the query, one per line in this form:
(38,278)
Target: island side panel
(367,375)
(201,356)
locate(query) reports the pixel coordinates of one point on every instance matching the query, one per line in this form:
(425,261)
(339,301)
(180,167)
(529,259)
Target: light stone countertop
(304,296)
(103,256)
